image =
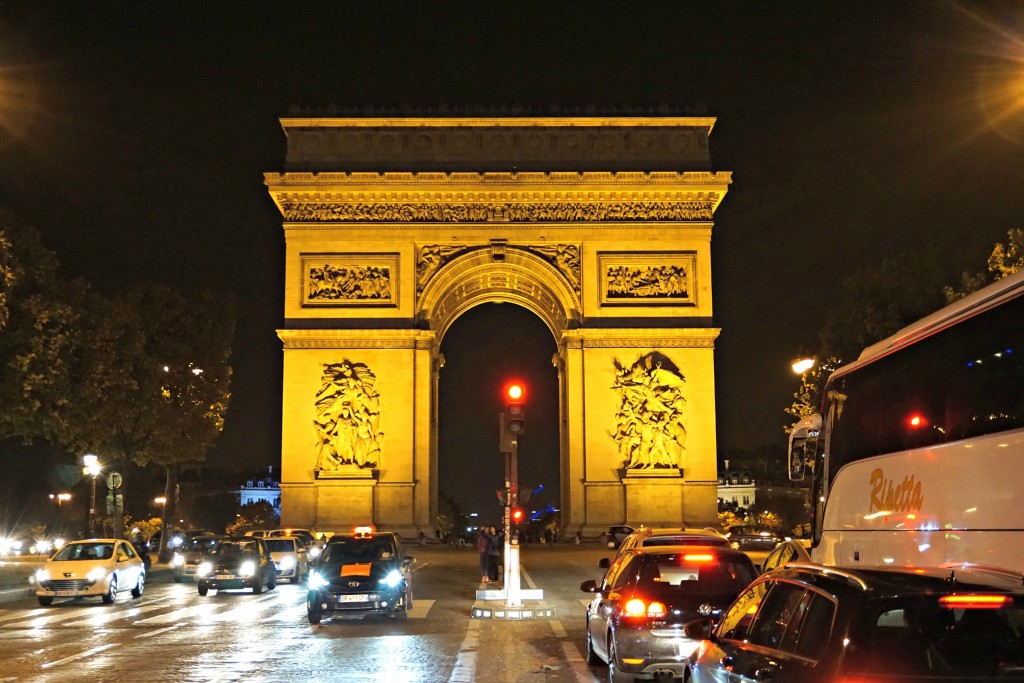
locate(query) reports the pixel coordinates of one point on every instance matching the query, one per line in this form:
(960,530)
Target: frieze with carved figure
(647,279)
(564,257)
(650,430)
(347,419)
(450,212)
(345,280)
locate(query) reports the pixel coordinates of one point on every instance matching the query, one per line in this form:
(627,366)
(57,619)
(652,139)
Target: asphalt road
(173,634)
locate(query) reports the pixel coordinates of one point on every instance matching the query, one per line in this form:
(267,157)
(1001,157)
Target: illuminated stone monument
(601,226)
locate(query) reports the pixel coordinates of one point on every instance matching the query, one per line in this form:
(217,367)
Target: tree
(253,516)
(1005,259)
(807,397)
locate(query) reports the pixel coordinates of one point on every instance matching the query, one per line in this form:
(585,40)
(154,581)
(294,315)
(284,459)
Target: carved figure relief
(349,279)
(565,257)
(347,418)
(650,430)
(431,258)
(647,278)
(474,213)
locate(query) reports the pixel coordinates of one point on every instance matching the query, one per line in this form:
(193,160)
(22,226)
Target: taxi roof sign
(363,531)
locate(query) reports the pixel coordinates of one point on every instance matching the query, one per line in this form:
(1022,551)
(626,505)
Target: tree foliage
(253,516)
(1005,259)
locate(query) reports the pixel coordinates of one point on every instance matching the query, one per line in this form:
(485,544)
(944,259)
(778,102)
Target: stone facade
(601,226)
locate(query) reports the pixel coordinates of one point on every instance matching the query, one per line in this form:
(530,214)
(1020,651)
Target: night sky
(134,135)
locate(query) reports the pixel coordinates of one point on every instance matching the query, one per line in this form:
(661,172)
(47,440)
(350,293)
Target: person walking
(483,545)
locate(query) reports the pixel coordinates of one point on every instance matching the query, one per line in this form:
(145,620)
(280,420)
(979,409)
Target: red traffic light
(517,515)
(515,393)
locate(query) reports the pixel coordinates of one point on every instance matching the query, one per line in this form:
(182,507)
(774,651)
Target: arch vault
(394,227)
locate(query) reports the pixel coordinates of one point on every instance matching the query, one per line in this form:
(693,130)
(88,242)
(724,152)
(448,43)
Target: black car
(237,563)
(807,623)
(747,537)
(647,597)
(358,575)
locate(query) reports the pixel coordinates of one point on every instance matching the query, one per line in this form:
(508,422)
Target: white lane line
(87,653)
(290,614)
(54,615)
(22,613)
(559,630)
(527,577)
(420,608)
(585,601)
(178,614)
(465,664)
(249,608)
(114,615)
(579,667)
(158,631)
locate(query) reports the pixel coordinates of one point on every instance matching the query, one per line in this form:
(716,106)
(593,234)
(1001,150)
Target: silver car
(290,557)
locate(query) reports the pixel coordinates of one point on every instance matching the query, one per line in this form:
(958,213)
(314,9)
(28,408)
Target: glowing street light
(802,365)
(60,498)
(92,468)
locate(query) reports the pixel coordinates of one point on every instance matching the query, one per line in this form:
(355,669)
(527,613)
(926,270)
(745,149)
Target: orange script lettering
(888,496)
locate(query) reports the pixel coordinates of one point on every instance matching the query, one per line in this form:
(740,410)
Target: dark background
(134,135)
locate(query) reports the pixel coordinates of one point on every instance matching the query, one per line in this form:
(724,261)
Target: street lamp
(60,497)
(802,365)
(92,468)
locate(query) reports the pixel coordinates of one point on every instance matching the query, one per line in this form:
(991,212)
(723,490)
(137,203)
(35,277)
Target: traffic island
(501,612)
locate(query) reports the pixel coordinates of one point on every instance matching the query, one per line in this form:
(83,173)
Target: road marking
(420,608)
(579,667)
(113,615)
(52,616)
(559,630)
(80,655)
(197,610)
(290,614)
(250,608)
(22,613)
(465,664)
(158,631)
(585,601)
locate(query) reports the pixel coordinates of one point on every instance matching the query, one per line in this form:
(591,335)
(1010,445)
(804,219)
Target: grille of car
(68,584)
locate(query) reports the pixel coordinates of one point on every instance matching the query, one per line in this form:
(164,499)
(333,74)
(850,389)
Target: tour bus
(917,454)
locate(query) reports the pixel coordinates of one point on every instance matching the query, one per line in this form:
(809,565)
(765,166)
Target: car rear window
(691,540)
(697,571)
(917,636)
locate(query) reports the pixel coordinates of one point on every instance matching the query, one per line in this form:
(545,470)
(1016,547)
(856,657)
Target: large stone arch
(499,274)
(394,227)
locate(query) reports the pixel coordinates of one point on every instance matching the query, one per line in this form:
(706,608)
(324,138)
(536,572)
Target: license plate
(224,576)
(354,598)
(65,593)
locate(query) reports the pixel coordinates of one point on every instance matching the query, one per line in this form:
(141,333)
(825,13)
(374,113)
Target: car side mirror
(589,586)
(700,629)
(604,563)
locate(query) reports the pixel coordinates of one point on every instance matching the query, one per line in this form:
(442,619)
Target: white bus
(917,455)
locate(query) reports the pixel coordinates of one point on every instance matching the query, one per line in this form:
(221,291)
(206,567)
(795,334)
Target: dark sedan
(238,563)
(648,595)
(807,623)
(746,537)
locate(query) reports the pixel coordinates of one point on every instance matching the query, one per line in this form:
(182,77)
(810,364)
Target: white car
(94,567)
(290,557)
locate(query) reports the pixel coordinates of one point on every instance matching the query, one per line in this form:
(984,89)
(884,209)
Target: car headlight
(314,553)
(178,560)
(315,581)
(393,578)
(287,562)
(204,568)
(42,576)
(247,569)
(96,574)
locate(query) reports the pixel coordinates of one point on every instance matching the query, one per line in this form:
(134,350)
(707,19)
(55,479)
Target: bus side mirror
(803,442)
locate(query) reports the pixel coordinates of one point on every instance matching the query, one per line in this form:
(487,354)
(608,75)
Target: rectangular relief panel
(348,280)
(648,278)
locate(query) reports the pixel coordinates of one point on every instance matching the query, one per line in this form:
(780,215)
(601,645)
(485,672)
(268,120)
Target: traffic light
(517,516)
(515,411)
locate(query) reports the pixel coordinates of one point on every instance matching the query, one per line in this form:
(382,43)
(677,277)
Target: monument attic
(599,225)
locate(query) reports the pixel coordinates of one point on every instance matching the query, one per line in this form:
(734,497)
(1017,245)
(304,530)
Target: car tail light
(639,609)
(977,601)
(703,557)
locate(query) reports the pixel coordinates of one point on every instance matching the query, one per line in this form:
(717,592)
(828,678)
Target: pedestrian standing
(483,546)
(493,555)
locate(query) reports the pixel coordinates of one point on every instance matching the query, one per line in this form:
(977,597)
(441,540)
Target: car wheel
(272,584)
(615,674)
(592,658)
(45,600)
(257,584)
(140,586)
(177,579)
(314,617)
(203,588)
(111,593)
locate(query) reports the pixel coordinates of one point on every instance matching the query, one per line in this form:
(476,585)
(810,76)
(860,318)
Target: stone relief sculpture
(648,282)
(431,258)
(650,432)
(565,257)
(384,211)
(347,418)
(334,283)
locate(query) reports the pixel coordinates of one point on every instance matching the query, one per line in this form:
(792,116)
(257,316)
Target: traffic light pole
(513,598)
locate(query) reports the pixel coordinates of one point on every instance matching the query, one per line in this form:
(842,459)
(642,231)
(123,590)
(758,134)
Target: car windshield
(201,543)
(85,551)
(917,635)
(281,545)
(357,550)
(230,548)
(695,572)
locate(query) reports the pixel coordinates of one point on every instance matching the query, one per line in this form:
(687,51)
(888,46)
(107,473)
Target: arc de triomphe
(601,226)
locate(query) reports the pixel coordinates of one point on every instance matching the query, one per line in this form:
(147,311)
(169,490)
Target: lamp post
(93,469)
(802,365)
